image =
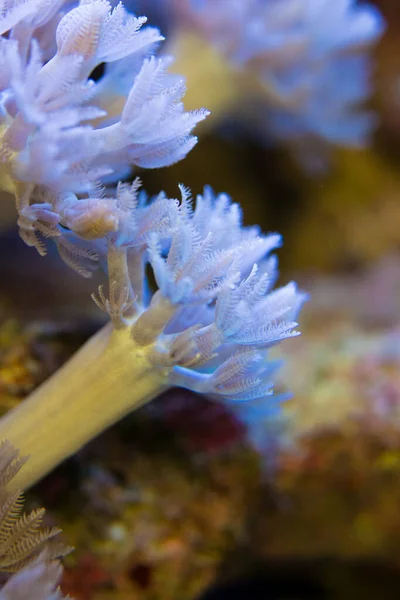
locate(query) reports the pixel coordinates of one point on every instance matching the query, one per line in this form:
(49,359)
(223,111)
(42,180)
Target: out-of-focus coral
(143,519)
(338,496)
(30,354)
(339,479)
(369,297)
(346,372)
(17,367)
(301,67)
(347,366)
(352,219)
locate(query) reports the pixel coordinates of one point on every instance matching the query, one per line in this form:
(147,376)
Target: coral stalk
(106,379)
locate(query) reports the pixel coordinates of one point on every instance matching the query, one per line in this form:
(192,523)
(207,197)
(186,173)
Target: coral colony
(209,322)
(309,57)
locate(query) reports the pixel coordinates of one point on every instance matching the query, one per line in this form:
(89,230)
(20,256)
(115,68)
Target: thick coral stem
(108,378)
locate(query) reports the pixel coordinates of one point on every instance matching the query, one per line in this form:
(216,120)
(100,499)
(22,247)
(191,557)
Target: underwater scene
(199,300)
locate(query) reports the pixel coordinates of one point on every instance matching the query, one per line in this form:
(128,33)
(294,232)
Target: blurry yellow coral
(352,218)
(213,80)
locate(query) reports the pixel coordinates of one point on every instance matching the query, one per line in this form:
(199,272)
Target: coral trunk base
(109,377)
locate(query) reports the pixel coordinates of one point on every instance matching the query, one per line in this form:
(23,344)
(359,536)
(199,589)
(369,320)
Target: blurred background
(173,502)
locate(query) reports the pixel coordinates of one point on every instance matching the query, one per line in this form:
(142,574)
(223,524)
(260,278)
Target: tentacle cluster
(213,315)
(64,126)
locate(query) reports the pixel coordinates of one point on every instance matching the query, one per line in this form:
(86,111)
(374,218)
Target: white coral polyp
(57,130)
(209,324)
(214,316)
